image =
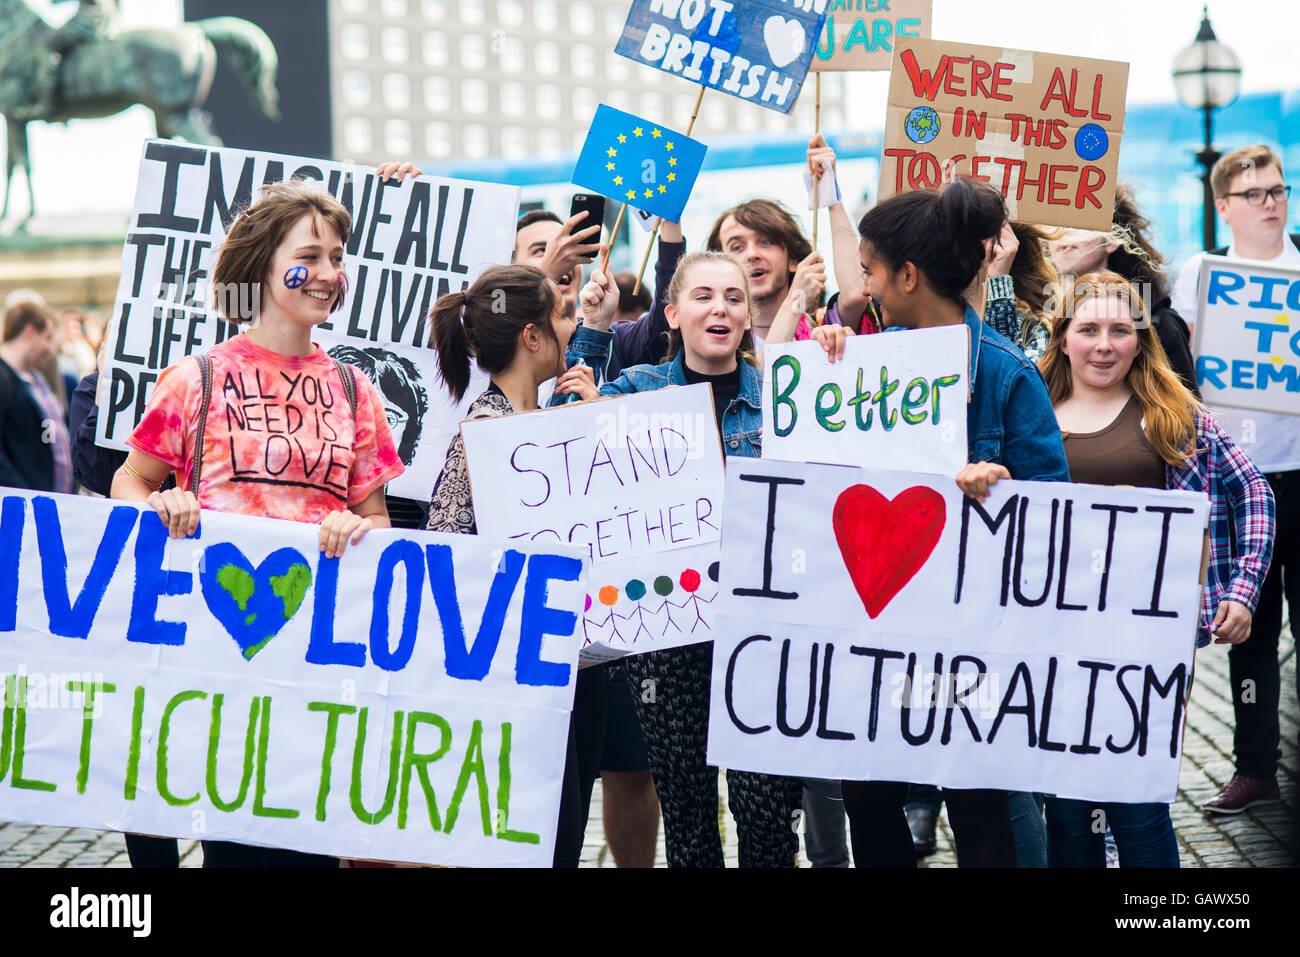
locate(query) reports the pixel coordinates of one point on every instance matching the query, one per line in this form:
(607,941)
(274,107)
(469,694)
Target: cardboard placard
(758,50)
(406,702)
(410,244)
(877,625)
(636,481)
(860,34)
(1044,129)
(1247,337)
(896,401)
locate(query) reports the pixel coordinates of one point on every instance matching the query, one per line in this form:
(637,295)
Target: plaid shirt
(1241,519)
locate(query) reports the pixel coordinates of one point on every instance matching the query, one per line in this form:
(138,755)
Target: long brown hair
(1169,409)
(745,350)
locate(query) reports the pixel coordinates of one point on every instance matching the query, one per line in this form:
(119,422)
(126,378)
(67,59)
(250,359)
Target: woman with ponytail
(516,326)
(920,252)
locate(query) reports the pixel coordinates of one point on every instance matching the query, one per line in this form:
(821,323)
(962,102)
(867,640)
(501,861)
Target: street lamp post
(1207,76)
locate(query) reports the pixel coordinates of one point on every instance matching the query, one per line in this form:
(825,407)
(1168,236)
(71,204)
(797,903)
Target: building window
(776,122)
(582,60)
(473,51)
(617,68)
(434,9)
(546,58)
(474,141)
(355,6)
(435,48)
(437,94)
(584,103)
(514,142)
(356,88)
(615,19)
(549,143)
(652,107)
(356,136)
(471,11)
(514,99)
(396,46)
(548,101)
(397,137)
(510,13)
(544,15)
(397,92)
(582,18)
(510,54)
(437,139)
(392,8)
(354,41)
(473,96)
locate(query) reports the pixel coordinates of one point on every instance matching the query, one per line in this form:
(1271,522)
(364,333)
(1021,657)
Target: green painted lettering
(473,764)
(88,689)
(133,754)
(503,795)
(888,418)
(263,744)
(824,411)
(420,762)
(327,753)
(782,396)
(940,383)
(358,753)
(910,403)
(164,731)
(214,744)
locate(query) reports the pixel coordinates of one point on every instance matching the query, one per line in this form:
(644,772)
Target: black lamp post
(1207,76)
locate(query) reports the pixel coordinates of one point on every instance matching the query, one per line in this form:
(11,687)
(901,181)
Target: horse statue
(167,70)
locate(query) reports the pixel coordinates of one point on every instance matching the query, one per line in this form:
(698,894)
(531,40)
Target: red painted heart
(884,543)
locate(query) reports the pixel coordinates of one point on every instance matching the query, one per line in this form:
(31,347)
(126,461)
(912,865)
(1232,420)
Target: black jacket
(1172,332)
(26,460)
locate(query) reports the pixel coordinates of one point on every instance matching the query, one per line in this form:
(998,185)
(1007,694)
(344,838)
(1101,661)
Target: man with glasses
(1251,196)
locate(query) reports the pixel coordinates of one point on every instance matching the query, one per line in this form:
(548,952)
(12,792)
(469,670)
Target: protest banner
(1044,129)
(860,34)
(642,164)
(408,701)
(895,401)
(411,243)
(879,625)
(421,414)
(1247,336)
(636,481)
(758,51)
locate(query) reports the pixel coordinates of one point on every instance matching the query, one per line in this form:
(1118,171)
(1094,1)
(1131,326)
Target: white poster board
(411,243)
(895,400)
(1060,620)
(1247,336)
(636,482)
(407,702)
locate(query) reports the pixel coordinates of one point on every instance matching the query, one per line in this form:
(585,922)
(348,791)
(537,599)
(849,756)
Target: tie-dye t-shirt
(281,440)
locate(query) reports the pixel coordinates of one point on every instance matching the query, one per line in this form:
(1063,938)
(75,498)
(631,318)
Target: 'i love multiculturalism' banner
(878,625)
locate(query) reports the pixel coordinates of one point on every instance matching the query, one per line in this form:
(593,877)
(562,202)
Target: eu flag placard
(646,165)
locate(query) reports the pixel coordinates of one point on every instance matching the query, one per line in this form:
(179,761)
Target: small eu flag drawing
(646,165)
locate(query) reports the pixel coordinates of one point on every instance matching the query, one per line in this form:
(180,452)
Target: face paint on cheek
(295,276)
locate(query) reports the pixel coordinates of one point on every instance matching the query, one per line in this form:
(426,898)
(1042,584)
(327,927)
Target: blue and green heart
(253,604)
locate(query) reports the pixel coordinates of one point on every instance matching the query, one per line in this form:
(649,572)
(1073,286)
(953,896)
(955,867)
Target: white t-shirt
(1272,440)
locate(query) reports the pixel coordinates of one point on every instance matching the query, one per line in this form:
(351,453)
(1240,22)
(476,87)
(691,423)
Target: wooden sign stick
(817,128)
(613,234)
(655,233)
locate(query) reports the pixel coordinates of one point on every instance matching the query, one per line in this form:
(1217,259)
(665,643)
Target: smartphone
(594,206)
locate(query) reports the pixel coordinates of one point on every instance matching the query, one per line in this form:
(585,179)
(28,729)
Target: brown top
(1117,455)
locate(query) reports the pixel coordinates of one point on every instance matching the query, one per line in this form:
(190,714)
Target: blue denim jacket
(1010,419)
(742,420)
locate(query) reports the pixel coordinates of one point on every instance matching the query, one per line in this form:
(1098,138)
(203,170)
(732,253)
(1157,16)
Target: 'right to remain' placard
(1043,128)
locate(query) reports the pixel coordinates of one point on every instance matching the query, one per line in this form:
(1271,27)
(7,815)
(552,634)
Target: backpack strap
(1295,240)
(205,374)
(349,383)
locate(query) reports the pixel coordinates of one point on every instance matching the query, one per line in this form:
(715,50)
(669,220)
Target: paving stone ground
(1256,838)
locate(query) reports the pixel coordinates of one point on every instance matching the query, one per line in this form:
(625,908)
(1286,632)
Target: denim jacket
(1010,419)
(742,420)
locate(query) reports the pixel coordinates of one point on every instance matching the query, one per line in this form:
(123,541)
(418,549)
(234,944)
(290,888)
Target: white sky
(89,166)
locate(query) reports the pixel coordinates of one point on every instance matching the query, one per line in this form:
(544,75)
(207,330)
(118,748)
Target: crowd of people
(1081,370)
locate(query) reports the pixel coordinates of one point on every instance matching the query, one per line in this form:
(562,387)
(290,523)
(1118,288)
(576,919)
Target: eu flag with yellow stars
(646,165)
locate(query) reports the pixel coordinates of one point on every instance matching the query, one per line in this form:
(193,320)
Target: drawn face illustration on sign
(400,386)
